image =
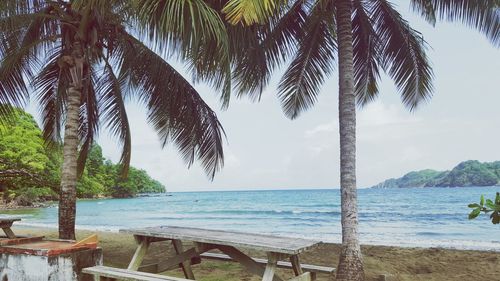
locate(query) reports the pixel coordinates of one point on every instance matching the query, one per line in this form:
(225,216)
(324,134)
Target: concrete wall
(64,267)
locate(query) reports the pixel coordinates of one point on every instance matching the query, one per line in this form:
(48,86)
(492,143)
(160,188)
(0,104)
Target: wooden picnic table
(6,224)
(229,242)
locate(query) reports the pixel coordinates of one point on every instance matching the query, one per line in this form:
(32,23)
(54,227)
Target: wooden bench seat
(112,273)
(281,264)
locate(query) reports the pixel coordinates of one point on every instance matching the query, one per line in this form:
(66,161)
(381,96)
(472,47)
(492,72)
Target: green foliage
(468,173)
(27,169)
(102,178)
(30,171)
(21,143)
(486,206)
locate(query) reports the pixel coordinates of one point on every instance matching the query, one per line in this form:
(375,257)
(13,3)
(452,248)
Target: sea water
(415,217)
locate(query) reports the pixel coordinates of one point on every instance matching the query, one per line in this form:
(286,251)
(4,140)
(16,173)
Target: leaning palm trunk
(67,197)
(350,263)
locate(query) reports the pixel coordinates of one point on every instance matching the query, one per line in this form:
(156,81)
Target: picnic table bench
(276,248)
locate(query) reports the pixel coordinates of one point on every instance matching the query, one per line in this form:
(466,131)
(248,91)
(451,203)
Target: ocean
(413,217)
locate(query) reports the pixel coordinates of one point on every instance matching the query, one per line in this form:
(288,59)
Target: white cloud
(378,114)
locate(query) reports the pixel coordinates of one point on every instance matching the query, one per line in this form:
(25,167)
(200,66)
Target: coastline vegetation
(466,174)
(30,171)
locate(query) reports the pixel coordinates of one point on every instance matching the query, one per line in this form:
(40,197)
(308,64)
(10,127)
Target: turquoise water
(403,217)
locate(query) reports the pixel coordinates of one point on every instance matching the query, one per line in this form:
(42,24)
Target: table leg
(297,268)
(10,234)
(185,265)
(139,254)
(272,262)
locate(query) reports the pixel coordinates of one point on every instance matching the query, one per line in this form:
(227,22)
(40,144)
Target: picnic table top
(267,243)
(9,219)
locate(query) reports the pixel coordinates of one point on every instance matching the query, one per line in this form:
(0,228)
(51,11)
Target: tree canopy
(30,171)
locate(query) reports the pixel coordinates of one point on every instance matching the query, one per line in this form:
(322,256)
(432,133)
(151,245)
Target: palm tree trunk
(67,196)
(350,265)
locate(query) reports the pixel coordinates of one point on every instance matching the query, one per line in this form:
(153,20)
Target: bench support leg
(185,265)
(139,254)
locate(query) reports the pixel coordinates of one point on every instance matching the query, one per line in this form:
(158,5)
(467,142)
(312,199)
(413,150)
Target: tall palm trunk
(350,263)
(69,177)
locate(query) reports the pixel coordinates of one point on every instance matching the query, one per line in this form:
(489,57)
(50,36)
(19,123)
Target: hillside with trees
(467,173)
(30,170)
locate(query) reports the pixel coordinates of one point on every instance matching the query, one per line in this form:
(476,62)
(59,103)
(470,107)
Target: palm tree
(84,58)
(368,36)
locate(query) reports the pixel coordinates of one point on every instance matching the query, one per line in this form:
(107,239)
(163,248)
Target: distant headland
(467,173)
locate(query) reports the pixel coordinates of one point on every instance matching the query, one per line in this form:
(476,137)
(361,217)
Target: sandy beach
(404,264)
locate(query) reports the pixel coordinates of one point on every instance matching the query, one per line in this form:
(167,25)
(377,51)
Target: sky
(265,150)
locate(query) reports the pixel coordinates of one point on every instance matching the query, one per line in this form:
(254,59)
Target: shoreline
(400,263)
(52,203)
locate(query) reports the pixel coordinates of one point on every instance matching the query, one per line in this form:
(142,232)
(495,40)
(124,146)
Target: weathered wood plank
(10,234)
(169,264)
(9,220)
(139,254)
(6,224)
(266,243)
(203,247)
(251,265)
(281,264)
(186,264)
(192,254)
(272,263)
(126,275)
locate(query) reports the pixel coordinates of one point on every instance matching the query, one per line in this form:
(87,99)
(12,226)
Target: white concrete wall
(20,267)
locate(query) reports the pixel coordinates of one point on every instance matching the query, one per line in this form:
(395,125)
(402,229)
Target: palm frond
(250,67)
(19,56)
(193,29)
(16,64)
(114,115)
(403,54)
(257,51)
(16,22)
(366,47)
(313,61)
(280,42)
(176,111)
(483,15)
(89,118)
(249,12)
(15,7)
(50,86)
(426,9)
